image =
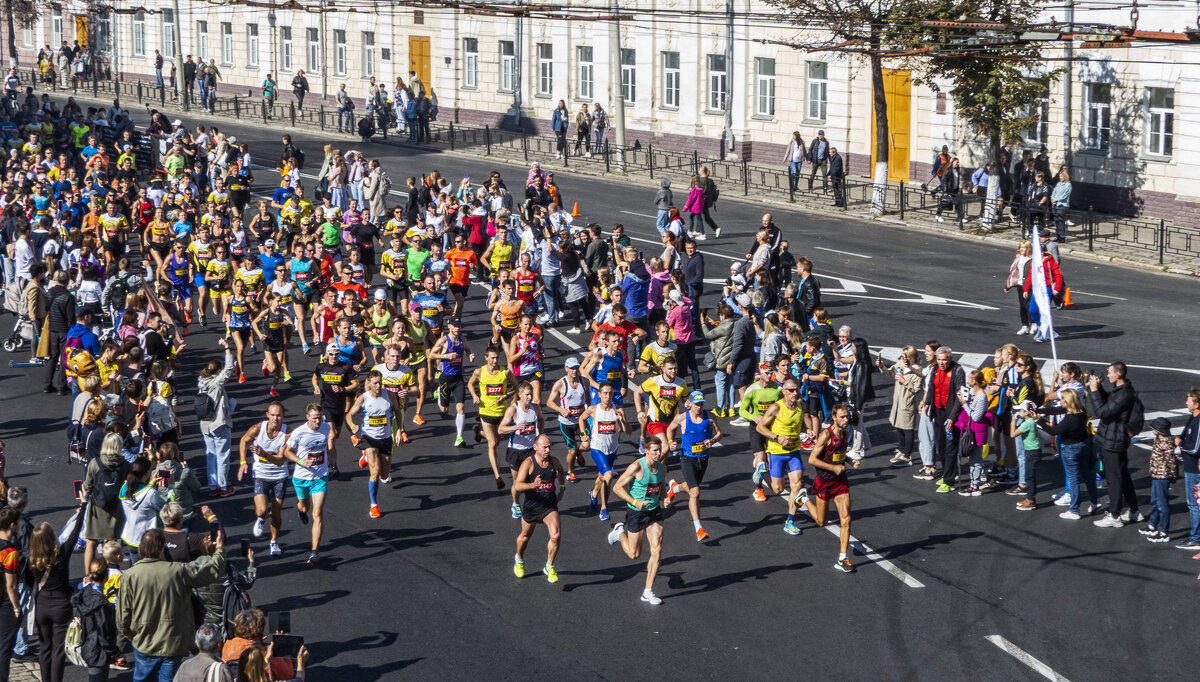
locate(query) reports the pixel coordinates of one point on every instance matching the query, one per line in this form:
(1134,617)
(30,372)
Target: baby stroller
(23,331)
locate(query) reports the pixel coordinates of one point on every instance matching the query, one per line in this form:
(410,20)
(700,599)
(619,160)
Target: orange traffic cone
(575,211)
(1067,297)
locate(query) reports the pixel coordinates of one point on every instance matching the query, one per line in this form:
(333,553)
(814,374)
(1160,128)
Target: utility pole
(1068,76)
(729,71)
(324,64)
(616,93)
(179,55)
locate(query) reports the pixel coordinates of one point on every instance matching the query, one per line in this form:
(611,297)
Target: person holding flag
(1046,273)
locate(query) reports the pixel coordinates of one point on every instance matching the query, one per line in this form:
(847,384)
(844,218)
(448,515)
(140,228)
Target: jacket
(808,298)
(906,397)
(837,166)
(818,150)
(213,594)
(693,274)
(791,149)
(300,83)
(860,390)
(664,200)
(99,620)
(60,309)
(1112,408)
(373,192)
(951,182)
(741,343)
(1054,278)
(35,301)
(195,669)
(695,201)
(1061,195)
(214,386)
(720,340)
(154,606)
(958,379)
(941,164)
(559,121)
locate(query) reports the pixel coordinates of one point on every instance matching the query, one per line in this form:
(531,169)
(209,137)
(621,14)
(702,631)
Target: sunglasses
(791,390)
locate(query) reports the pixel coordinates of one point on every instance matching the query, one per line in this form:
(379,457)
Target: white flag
(1039,303)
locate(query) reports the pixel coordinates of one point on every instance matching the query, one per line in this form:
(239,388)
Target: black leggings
(8,637)
(1023,306)
(685,354)
(905,438)
(53,615)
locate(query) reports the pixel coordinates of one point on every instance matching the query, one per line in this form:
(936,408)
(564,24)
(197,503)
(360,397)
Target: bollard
(451,135)
(525,147)
(650,155)
(695,163)
(1162,239)
(321,114)
(237,108)
(607,161)
(900,189)
(162,96)
(745,178)
(292,113)
(139,92)
(1091,228)
(487,138)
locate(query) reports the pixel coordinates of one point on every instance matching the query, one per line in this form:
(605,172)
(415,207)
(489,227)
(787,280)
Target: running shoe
(362,461)
(266,372)
(571,476)
(354,440)
(1160,536)
(701,535)
(519,569)
(478,430)
(925,474)
(304,348)
(901,463)
(225,492)
(1132,516)
(418,420)
(650,598)
(404,436)
(970,492)
(604,515)
(516,510)
(672,490)
(275,551)
(550,573)
(1069,515)
(460,442)
(1148,530)
(943,488)
(241,378)
(790,528)
(1026,505)
(801,497)
(844,566)
(615,534)
(258,527)
(287,376)
(374,512)
(203,320)
(388,479)
(807,443)
(499,483)
(303,517)
(312,558)
(1108,521)
(740,421)
(760,471)
(592,503)
(273,392)
(437,395)
(760,495)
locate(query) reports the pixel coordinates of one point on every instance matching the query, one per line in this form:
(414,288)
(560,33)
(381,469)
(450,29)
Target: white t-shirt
(25,258)
(309,447)
(141,513)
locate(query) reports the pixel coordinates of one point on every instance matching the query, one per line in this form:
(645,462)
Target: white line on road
(1025,657)
(640,215)
(847,253)
(874,557)
(1088,293)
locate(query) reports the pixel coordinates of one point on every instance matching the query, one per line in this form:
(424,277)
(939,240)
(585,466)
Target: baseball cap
(675,296)
(380,294)
(744,300)
(269,242)
(820,132)
(454,321)
(696,397)
(331,347)
(572,362)
(176,122)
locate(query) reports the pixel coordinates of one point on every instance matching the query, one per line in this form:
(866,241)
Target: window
(27,35)
(1097,113)
(1161,126)
(587,72)
(765,86)
(314,50)
(670,62)
(168,29)
(285,48)
(104,33)
(139,34)
(226,43)
(339,55)
(629,75)
(368,53)
(818,90)
(508,65)
(419,17)
(939,106)
(471,62)
(1038,129)
(252,44)
(56,31)
(718,82)
(202,40)
(545,53)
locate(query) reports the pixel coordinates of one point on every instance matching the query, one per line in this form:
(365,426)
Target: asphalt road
(427,590)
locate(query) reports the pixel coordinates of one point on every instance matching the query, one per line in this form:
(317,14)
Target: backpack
(204,406)
(233,602)
(1137,417)
(300,158)
(106,488)
(73,644)
(387,183)
(711,193)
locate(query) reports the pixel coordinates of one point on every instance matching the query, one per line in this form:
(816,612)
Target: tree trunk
(879,190)
(993,189)
(10,31)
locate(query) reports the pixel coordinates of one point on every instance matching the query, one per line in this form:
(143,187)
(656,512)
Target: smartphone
(214,528)
(287,646)
(284,623)
(78,489)
(245,547)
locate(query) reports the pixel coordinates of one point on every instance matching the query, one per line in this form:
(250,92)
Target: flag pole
(1041,282)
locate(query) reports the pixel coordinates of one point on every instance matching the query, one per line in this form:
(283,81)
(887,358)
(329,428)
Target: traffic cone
(575,213)
(1067,297)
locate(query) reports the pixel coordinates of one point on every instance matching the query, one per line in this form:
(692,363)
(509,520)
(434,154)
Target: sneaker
(203,320)
(312,558)
(362,461)
(604,515)
(1093,508)
(273,392)
(760,471)
(1110,521)
(1023,330)
(801,497)
(1063,500)
(901,462)
(550,573)
(1129,516)
(499,483)
(650,598)
(985,484)
(717,233)
(374,511)
(924,474)
(760,495)
(807,443)
(940,219)
(519,569)
(1188,544)
(700,237)
(478,431)
(287,376)
(844,566)
(404,437)
(303,517)
(1026,505)
(460,442)
(740,421)
(1159,537)
(1017,490)
(241,378)
(516,510)
(1148,530)
(571,477)
(701,535)
(672,490)
(615,534)
(225,492)
(593,504)
(970,492)
(573,330)
(266,372)
(790,528)
(418,420)
(1069,515)
(258,528)
(943,488)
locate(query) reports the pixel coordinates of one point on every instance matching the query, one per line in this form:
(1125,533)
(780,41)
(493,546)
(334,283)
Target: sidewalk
(1145,243)
(24,672)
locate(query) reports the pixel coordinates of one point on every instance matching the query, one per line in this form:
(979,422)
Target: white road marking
(640,215)
(875,558)
(892,353)
(1026,658)
(1088,293)
(847,253)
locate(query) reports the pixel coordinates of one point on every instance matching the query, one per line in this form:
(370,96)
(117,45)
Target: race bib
(606,427)
(376,421)
(331,378)
(274,325)
(838,457)
(666,392)
(527,429)
(545,486)
(495,389)
(699,447)
(652,491)
(575,411)
(614,374)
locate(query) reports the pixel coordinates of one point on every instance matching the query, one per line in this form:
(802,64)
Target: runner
(525,355)
(276,323)
(657,351)
(418,331)
(238,319)
(334,381)
(568,397)
(695,433)
(217,275)
(606,365)
(202,251)
(462,260)
(374,435)
(781,426)
(829,458)
(641,486)
(522,423)
(604,422)
(304,274)
(495,385)
(507,313)
(264,441)
(398,379)
(306,447)
(449,352)
(656,400)
(542,480)
(179,269)
(756,401)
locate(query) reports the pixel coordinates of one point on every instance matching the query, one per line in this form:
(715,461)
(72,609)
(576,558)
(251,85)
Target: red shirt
(357,288)
(461,261)
(941,386)
(624,330)
(526,285)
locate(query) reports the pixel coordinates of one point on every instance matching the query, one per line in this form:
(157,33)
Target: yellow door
(418,58)
(897,89)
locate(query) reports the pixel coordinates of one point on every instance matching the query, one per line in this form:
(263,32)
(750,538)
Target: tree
(995,74)
(855,27)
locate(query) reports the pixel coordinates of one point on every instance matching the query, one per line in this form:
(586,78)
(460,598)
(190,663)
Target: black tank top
(274,326)
(545,494)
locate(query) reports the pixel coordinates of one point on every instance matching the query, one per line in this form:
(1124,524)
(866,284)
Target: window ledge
(471,88)
(1156,158)
(541,96)
(713,112)
(813,122)
(762,117)
(667,108)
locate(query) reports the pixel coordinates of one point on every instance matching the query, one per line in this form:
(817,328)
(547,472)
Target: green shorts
(306,488)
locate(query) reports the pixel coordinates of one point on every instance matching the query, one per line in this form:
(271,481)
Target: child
(111,551)
(1025,427)
(98,618)
(787,264)
(1163,471)
(694,206)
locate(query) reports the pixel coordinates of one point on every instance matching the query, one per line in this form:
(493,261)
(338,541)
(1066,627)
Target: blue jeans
(1160,509)
(161,668)
(795,168)
(337,196)
(216,454)
(1078,461)
(1190,480)
(1020,441)
(356,193)
(24,592)
(726,390)
(203,97)
(599,140)
(926,435)
(550,297)
(345,120)
(695,224)
(661,223)
(10,269)
(158,79)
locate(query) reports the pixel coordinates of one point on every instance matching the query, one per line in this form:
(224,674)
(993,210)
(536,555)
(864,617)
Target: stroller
(24,330)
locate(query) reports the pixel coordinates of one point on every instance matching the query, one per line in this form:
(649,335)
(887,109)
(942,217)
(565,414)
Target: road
(427,590)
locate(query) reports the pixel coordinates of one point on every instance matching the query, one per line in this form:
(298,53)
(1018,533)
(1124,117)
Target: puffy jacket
(663,200)
(1112,408)
(99,620)
(214,386)
(720,342)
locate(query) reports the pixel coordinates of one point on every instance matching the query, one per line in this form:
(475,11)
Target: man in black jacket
(942,405)
(741,353)
(1113,408)
(837,175)
(808,293)
(18,499)
(411,206)
(189,79)
(300,88)
(60,313)
(818,157)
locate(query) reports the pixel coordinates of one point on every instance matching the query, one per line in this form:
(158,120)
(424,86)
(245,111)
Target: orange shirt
(461,261)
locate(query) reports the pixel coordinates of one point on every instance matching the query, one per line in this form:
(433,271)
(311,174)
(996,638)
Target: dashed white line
(1026,658)
(1088,293)
(640,215)
(845,253)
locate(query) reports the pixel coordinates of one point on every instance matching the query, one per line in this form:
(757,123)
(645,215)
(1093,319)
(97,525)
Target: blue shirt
(87,340)
(268,263)
(429,308)
(635,291)
(980,177)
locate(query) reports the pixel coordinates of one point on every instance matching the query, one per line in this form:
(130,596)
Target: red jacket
(1054,278)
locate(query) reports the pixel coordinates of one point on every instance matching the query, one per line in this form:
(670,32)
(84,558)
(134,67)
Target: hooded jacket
(1112,408)
(154,606)
(99,620)
(663,200)
(214,386)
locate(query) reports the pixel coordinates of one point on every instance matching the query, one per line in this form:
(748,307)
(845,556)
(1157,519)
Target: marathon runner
(264,442)
(374,434)
(307,448)
(641,486)
(275,322)
(829,458)
(542,481)
(462,260)
(238,319)
(606,365)
(656,400)
(418,330)
(522,423)
(398,379)
(334,381)
(782,426)
(604,422)
(757,399)
(569,398)
(491,386)
(179,269)
(525,355)
(695,432)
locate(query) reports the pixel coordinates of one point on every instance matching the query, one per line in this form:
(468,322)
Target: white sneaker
(615,534)
(1069,515)
(1063,501)
(700,237)
(275,551)
(1071,223)
(1023,330)
(1132,517)
(258,528)
(1093,508)
(650,598)
(740,421)
(573,330)
(940,220)
(1107,521)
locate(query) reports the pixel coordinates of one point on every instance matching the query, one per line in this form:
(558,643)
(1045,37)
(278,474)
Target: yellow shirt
(492,392)
(787,423)
(664,396)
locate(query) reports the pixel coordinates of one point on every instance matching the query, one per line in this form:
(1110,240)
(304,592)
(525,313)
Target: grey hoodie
(214,386)
(664,200)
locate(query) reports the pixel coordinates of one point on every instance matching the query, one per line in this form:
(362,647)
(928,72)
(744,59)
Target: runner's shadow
(1088,331)
(897,508)
(297,602)
(744,528)
(443,459)
(361,673)
(429,502)
(675,581)
(931,542)
(619,574)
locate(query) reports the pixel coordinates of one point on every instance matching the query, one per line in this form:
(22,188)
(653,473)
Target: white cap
(744,300)
(380,294)
(675,297)
(176,122)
